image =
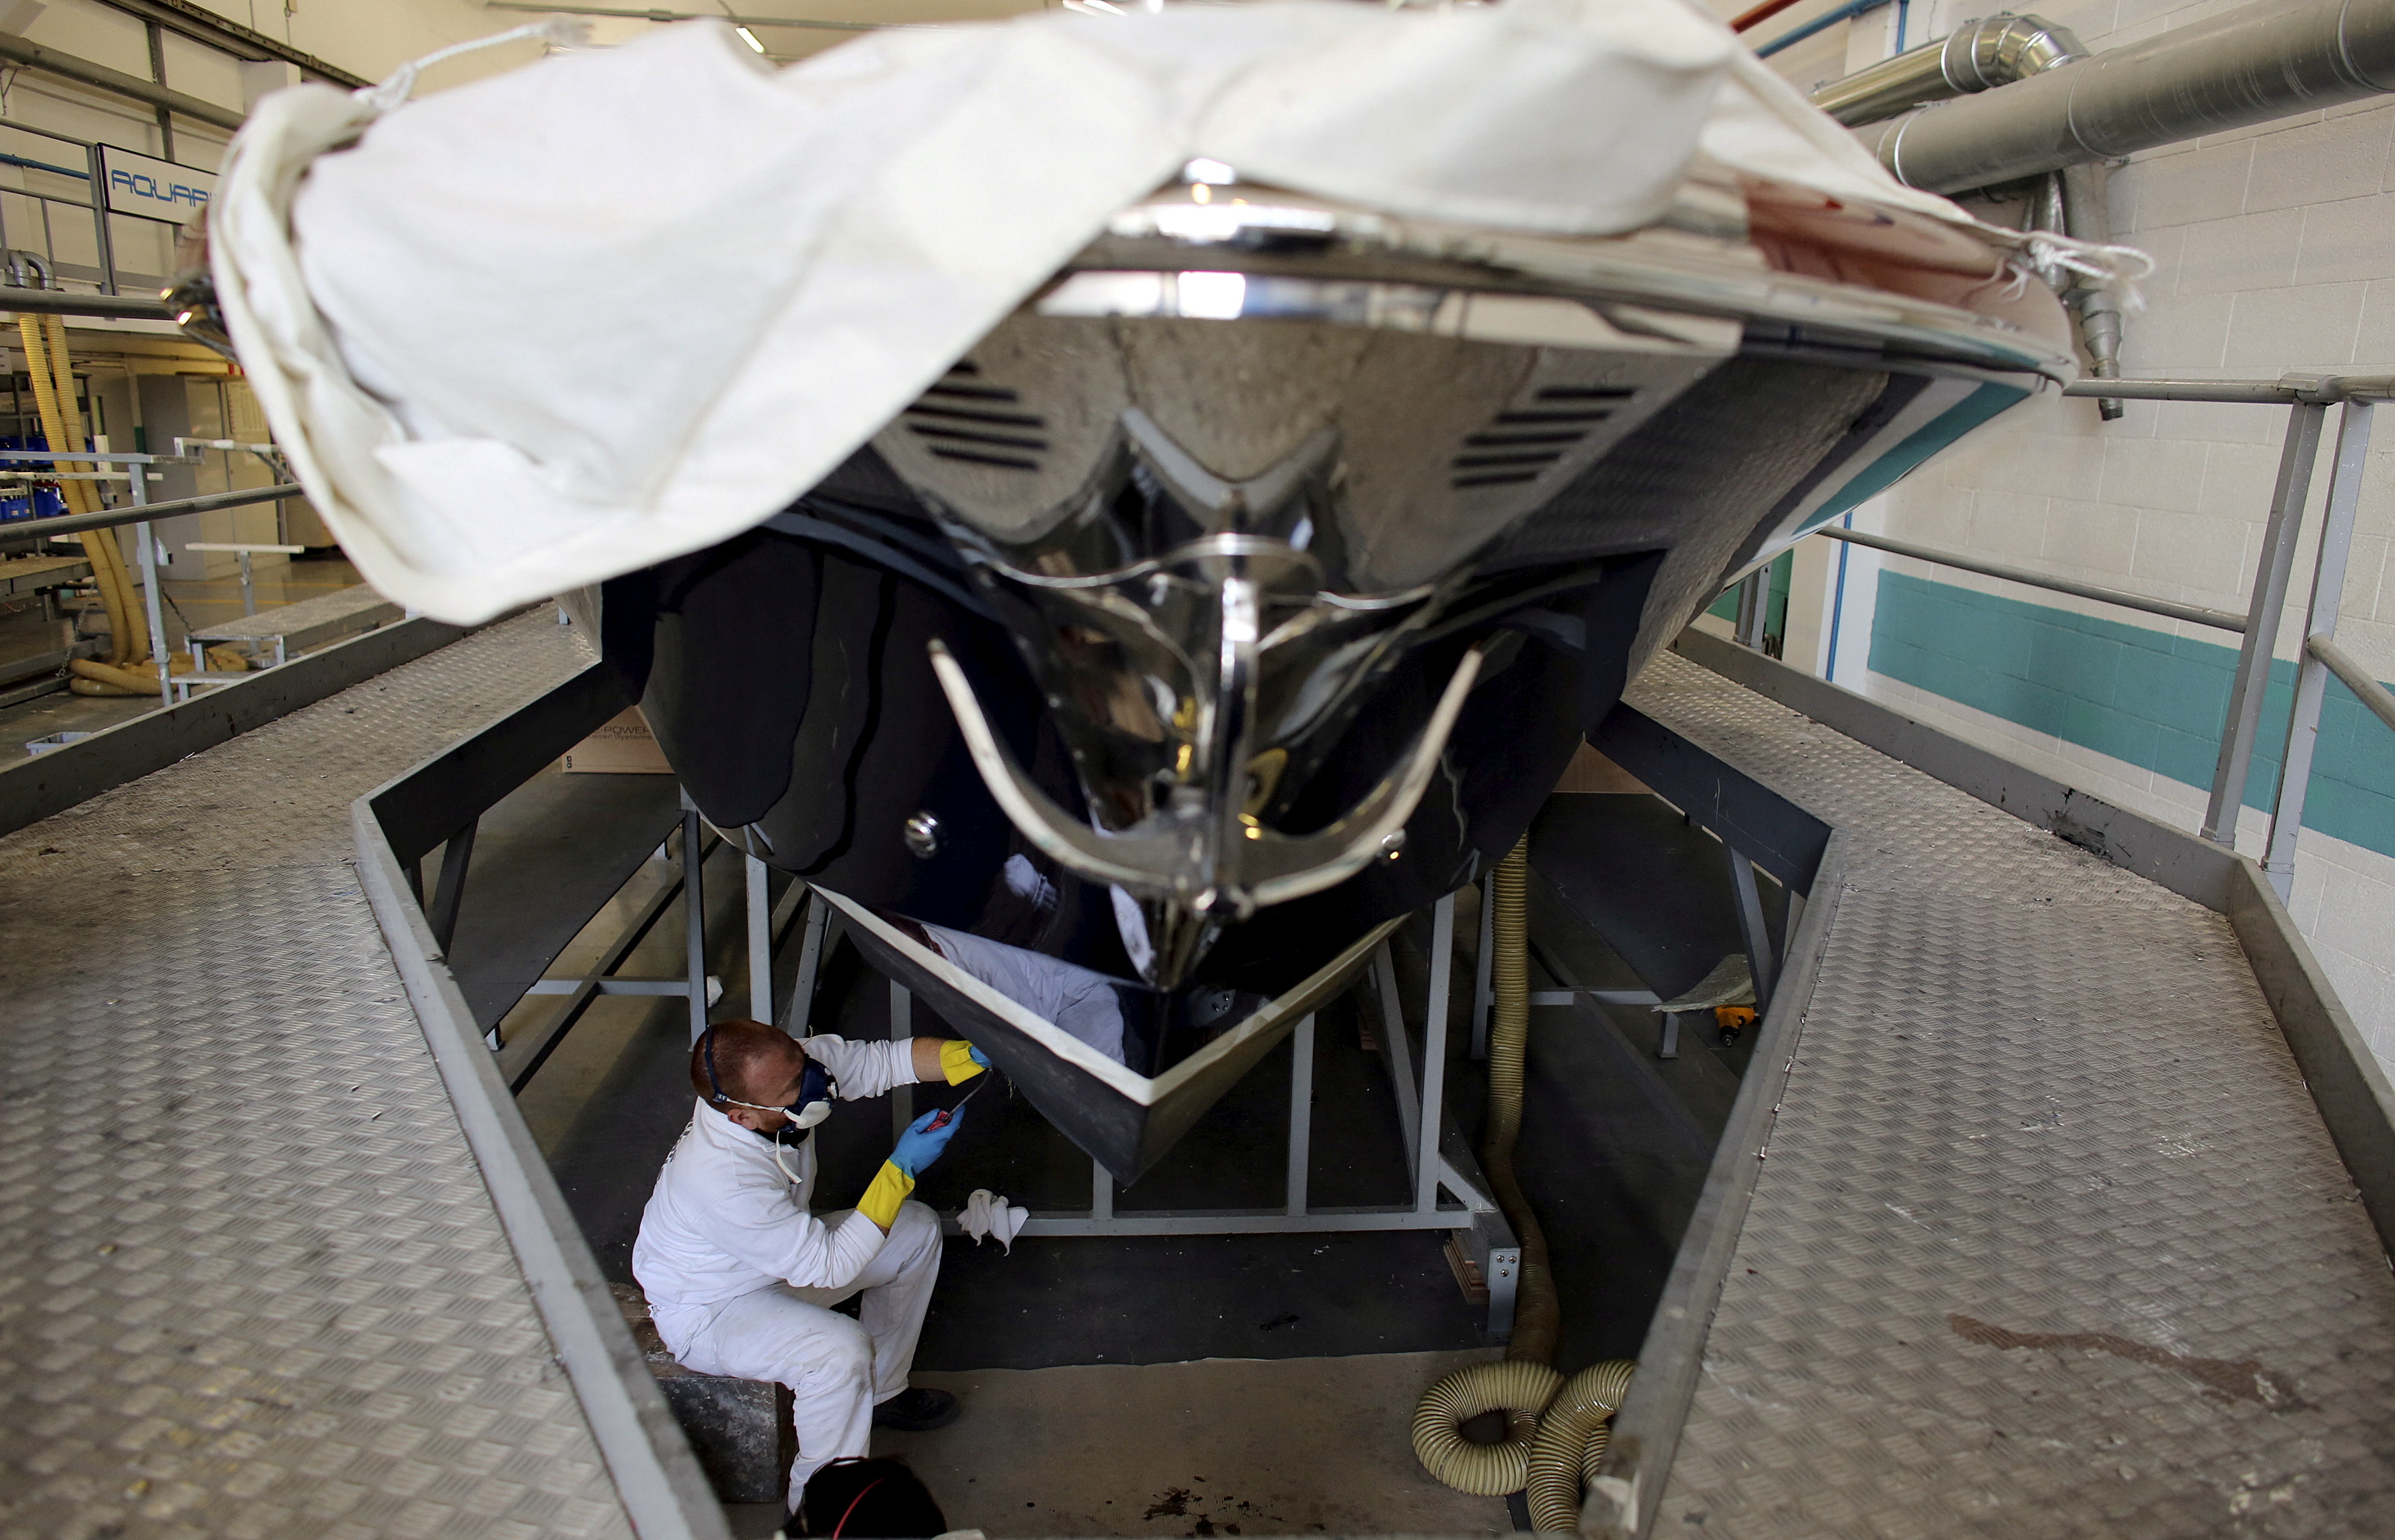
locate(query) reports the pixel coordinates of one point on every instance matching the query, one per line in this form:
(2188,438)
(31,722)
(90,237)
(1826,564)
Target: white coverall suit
(740,1277)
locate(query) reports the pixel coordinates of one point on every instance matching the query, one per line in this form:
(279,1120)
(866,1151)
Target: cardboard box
(624,746)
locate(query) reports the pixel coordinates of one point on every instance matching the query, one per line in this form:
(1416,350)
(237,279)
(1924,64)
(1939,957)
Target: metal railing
(92,205)
(2307,397)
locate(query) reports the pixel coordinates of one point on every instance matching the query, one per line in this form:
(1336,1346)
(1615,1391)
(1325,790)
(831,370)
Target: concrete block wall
(2275,248)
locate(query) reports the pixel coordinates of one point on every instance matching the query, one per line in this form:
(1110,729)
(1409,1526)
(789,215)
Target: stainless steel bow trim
(1180,852)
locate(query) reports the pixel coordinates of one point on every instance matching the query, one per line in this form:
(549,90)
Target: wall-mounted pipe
(2247,66)
(1977,56)
(2083,192)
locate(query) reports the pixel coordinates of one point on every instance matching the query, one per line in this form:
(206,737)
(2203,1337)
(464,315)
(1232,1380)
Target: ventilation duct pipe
(2247,66)
(1977,56)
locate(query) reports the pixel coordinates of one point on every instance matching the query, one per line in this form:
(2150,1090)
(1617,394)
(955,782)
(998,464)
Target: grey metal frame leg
(1761,961)
(902,1026)
(1434,1083)
(1483,995)
(693,900)
(810,953)
(761,939)
(1399,1049)
(1300,1114)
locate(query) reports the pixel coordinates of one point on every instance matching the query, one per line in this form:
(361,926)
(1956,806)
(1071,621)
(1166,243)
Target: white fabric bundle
(620,305)
(986,1214)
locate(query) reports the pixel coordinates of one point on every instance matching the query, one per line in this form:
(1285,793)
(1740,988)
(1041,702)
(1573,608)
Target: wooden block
(624,746)
(1467,1271)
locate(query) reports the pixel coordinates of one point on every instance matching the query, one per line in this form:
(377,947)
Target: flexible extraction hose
(1552,1454)
(1571,1439)
(45,361)
(127,671)
(1523,1383)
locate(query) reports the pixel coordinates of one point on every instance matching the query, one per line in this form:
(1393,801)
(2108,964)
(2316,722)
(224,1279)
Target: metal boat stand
(1449,1193)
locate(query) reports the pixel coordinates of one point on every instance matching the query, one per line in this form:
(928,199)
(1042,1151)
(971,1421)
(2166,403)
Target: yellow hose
(46,363)
(1555,1432)
(1570,1441)
(1535,1312)
(1517,1387)
(100,678)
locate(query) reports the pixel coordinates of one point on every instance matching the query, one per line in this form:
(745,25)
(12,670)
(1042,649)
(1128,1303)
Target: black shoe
(916,1411)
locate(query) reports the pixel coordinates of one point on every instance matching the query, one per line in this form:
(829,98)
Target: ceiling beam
(205,26)
(33,56)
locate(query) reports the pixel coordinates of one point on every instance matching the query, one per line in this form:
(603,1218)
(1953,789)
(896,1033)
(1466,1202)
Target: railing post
(145,537)
(1753,609)
(101,232)
(2268,601)
(2312,674)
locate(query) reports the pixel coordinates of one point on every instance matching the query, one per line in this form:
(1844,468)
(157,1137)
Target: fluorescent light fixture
(750,38)
(1204,170)
(1095,7)
(1213,295)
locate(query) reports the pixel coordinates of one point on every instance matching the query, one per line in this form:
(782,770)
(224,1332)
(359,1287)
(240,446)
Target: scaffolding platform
(2047,1205)
(252,1280)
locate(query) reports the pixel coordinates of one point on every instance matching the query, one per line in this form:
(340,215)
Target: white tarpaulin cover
(622,304)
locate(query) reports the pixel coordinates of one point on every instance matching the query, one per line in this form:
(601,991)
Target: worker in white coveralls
(740,1277)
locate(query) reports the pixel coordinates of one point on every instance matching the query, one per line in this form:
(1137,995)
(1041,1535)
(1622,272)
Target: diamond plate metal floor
(2050,1239)
(251,1284)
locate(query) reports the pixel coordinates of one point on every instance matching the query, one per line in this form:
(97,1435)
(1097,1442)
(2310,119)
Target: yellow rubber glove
(960,1060)
(883,1195)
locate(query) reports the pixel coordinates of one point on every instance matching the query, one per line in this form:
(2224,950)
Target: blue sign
(153,188)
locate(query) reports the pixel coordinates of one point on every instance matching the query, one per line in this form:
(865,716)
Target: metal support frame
(2319,625)
(1434,1161)
(521,1056)
(1420,1103)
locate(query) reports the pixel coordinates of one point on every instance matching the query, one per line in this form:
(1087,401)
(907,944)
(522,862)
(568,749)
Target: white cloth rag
(623,304)
(986,1214)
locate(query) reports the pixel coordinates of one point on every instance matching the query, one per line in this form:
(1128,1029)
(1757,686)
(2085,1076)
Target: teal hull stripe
(2153,700)
(1905,458)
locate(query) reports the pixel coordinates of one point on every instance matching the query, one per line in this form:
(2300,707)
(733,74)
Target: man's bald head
(753,1062)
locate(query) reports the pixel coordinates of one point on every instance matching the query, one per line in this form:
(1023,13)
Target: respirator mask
(817,1088)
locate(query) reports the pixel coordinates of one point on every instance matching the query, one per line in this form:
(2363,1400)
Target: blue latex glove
(978,1056)
(921,1143)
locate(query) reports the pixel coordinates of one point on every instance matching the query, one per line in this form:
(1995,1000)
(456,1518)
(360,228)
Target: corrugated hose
(1551,1453)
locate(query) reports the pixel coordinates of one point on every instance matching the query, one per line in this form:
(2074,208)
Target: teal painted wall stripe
(2153,700)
